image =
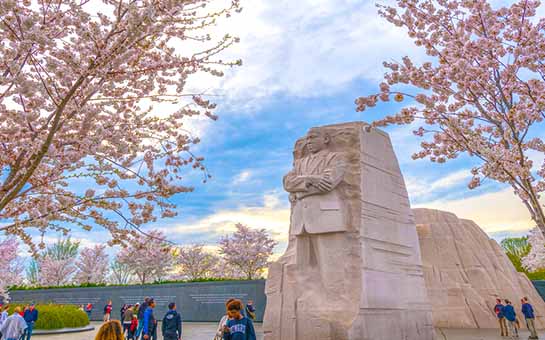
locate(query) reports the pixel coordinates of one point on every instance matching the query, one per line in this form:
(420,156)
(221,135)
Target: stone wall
(197,301)
(465,271)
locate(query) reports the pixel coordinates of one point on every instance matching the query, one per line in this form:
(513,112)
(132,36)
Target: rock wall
(465,271)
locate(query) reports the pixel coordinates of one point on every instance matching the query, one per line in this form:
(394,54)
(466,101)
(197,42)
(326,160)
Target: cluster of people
(20,324)
(138,322)
(509,321)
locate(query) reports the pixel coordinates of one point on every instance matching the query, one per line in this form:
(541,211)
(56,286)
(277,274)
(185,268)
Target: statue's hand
(325,184)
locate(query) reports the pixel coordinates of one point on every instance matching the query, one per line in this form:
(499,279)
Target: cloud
(421,187)
(242,177)
(307,48)
(272,215)
(494,212)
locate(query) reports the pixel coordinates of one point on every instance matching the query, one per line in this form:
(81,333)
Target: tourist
(30,316)
(511,316)
(14,326)
(141,310)
(238,327)
(110,330)
(133,327)
(172,324)
(122,312)
(89,310)
(149,331)
(107,311)
(498,309)
(127,319)
(3,316)
(250,310)
(223,322)
(528,312)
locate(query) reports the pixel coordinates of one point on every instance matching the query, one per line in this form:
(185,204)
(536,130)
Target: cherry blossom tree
(11,266)
(57,265)
(148,256)
(196,262)
(56,272)
(92,265)
(97,93)
(120,273)
(482,93)
(247,250)
(535,260)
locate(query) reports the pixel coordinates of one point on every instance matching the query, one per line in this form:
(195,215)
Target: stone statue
(352,269)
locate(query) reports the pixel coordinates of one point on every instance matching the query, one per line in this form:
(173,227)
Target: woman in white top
(223,322)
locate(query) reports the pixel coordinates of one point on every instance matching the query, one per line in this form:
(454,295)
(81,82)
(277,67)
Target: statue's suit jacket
(313,211)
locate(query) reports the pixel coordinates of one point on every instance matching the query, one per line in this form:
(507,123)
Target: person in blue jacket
(528,312)
(172,324)
(30,316)
(498,309)
(511,316)
(149,331)
(238,327)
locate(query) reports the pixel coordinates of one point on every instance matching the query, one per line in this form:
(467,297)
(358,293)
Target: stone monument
(352,269)
(466,271)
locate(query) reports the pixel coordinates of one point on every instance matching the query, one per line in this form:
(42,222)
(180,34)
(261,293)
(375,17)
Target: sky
(304,63)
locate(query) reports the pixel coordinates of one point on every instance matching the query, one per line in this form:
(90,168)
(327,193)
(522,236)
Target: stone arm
(328,180)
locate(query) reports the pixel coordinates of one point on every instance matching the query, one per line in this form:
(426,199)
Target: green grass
(52,316)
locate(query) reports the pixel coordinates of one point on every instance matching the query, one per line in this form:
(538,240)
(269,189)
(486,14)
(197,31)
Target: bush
(52,316)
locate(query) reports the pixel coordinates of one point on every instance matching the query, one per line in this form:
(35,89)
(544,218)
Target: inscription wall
(197,301)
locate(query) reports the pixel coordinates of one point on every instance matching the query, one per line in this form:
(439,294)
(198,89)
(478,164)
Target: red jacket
(134,324)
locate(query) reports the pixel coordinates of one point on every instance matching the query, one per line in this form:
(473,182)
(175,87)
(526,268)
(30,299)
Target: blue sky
(304,63)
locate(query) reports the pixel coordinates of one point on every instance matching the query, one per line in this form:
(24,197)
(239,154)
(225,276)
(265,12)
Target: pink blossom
(247,250)
(92,265)
(482,94)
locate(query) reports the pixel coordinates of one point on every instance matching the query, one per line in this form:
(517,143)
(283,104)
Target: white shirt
(13,327)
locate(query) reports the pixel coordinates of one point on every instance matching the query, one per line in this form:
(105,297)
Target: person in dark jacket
(511,316)
(141,310)
(30,316)
(149,331)
(528,312)
(172,324)
(498,309)
(108,311)
(238,327)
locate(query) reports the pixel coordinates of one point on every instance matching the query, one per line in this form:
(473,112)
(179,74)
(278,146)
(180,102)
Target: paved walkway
(205,331)
(192,331)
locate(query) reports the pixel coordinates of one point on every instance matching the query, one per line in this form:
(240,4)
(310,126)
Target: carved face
(317,141)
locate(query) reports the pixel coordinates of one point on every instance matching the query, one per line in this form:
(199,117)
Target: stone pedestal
(352,270)
(466,271)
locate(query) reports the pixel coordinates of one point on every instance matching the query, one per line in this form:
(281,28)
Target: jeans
(28,331)
(140,327)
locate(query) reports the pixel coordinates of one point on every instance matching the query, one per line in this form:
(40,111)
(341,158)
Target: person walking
(133,327)
(149,331)
(172,324)
(127,319)
(140,314)
(107,311)
(528,312)
(3,316)
(122,312)
(14,326)
(110,330)
(238,327)
(89,310)
(498,309)
(30,316)
(511,316)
